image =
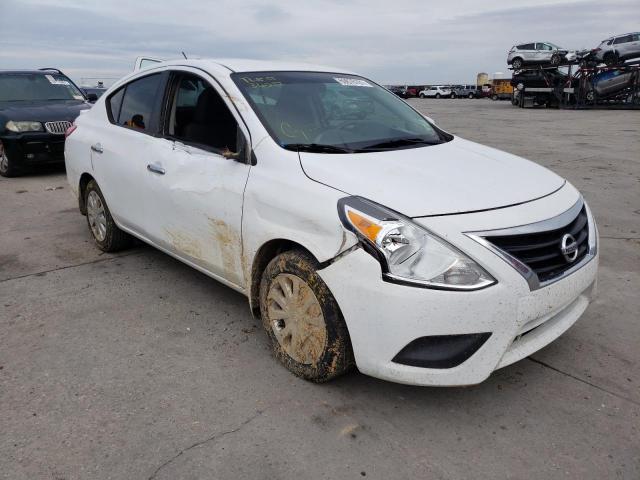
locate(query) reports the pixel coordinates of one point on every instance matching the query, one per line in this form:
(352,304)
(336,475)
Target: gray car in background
(535,53)
(464,91)
(619,48)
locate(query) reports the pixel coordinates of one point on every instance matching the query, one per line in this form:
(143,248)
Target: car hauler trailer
(582,86)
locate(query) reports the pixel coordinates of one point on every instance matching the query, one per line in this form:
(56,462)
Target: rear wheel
(106,233)
(516,63)
(421,95)
(494,97)
(470,95)
(556,59)
(7,168)
(302,319)
(453,94)
(438,95)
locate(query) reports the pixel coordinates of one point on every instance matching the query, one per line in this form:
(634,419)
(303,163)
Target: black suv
(36,108)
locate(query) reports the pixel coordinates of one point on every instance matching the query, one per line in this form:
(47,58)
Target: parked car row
(611,51)
(437,91)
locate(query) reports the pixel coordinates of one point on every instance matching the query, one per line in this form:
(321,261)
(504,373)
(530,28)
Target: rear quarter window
(113,105)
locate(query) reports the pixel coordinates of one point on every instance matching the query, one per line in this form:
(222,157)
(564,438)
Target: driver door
(197,191)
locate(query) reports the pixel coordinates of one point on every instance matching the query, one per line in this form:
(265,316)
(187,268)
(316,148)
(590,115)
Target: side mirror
(92,97)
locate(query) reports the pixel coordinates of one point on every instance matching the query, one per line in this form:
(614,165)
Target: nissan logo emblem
(569,247)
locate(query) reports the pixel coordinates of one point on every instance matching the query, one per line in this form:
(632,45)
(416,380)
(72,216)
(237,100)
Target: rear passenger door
(623,45)
(124,147)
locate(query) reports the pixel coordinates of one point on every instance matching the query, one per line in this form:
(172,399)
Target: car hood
(44,111)
(454,177)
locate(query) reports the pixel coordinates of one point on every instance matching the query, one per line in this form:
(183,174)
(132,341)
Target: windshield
(333,113)
(15,87)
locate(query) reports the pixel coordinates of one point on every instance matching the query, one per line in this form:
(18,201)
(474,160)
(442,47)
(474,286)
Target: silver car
(619,48)
(535,53)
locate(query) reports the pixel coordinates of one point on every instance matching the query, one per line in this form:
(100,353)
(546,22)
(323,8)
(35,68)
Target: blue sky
(391,42)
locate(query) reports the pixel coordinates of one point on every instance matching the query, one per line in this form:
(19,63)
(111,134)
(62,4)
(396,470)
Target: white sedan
(361,232)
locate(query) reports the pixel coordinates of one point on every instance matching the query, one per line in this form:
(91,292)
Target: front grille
(57,128)
(541,251)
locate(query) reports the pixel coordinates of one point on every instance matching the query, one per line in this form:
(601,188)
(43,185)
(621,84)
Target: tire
(556,59)
(7,168)
(610,58)
(470,95)
(453,95)
(494,97)
(438,95)
(323,349)
(105,232)
(516,63)
(421,95)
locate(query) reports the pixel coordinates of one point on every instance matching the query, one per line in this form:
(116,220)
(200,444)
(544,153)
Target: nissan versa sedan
(362,233)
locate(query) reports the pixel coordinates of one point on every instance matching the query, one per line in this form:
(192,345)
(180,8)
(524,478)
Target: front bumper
(383,317)
(34,148)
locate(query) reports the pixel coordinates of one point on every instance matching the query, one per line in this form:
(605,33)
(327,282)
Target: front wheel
(470,95)
(453,95)
(421,95)
(438,95)
(494,97)
(7,168)
(306,329)
(555,59)
(610,58)
(107,235)
(516,63)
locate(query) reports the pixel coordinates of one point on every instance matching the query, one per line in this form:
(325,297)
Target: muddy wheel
(302,319)
(105,232)
(516,63)
(7,169)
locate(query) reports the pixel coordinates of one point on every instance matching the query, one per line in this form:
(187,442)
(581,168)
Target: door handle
(96,147)
(156,169)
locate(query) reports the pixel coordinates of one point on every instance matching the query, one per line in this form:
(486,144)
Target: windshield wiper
(316,148)
(400,142)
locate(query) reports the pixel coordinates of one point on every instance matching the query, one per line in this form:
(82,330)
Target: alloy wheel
(96,215)
(296,319)
(4,162)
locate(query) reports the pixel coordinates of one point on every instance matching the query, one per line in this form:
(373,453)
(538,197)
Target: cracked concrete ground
(134,366)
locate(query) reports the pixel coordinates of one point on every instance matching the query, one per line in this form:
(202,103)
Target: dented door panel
(197,208)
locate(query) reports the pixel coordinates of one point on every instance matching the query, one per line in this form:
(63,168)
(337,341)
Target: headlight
(20,127)
(407,252)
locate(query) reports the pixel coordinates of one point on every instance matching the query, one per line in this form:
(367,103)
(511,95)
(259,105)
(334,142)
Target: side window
(527,46)
(623,39)
(199,116)
(140,97)
(115,102)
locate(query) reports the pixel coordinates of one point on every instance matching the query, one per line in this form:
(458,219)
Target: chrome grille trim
(484,239)
(57,128)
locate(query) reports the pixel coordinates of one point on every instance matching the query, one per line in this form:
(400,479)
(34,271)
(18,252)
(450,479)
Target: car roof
(239,65)
(42,72)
